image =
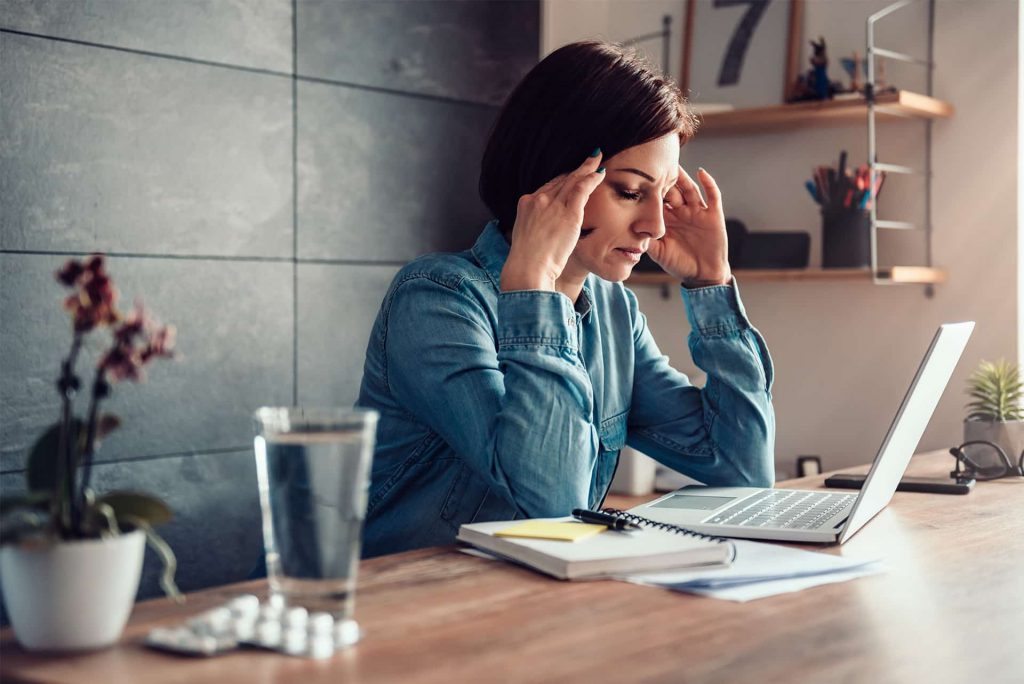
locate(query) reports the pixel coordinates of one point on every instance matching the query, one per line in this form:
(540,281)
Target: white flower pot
(71,595)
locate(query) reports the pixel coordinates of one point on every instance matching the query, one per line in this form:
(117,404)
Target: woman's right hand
(547,228)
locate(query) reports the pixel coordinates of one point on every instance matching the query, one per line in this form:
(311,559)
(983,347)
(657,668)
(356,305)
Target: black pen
(610,521)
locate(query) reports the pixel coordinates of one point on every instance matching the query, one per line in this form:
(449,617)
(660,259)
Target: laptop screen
(909,425)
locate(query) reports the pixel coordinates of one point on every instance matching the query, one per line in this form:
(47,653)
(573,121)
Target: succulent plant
(996,390)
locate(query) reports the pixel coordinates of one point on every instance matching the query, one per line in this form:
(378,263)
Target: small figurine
(815,85)
(850,67)
(856,86)
(819,72)
(881,86)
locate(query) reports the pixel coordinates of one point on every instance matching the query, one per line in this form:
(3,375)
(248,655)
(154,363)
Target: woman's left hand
(694,248)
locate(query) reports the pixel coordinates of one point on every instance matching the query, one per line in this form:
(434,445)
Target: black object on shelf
(755,250)
(845,239)
(766,249)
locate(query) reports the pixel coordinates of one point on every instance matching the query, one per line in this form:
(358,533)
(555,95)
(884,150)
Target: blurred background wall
(845,352)
(257,171)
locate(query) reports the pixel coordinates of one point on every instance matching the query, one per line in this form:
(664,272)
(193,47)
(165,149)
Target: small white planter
(71,595)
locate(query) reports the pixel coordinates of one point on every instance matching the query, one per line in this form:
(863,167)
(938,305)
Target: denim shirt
(501,405)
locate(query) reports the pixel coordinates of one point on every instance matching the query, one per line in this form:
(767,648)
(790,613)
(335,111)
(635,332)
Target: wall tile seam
(256,70)
(401,93)
(155,457)
(209,257)
(295,200)
(149,53)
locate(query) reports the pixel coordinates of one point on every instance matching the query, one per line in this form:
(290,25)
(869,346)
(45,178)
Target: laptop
(822,516)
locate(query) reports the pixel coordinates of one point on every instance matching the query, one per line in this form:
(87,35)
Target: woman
(508,377)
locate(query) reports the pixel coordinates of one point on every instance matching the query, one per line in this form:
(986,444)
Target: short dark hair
(583,95)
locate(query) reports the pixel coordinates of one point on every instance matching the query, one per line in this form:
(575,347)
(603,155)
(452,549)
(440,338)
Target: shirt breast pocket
(612,433)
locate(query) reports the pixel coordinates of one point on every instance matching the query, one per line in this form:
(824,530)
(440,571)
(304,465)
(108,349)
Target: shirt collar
(491,251)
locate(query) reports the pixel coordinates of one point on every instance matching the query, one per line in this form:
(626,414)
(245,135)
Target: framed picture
(741,52)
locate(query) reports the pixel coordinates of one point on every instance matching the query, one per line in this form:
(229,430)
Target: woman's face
(626,211)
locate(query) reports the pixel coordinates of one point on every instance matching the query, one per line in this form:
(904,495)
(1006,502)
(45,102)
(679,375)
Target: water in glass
(313,487)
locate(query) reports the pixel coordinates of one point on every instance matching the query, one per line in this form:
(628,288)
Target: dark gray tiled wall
(252,33)
(337,307)
(234,322)
(462,49)
(386,177)
(141,154)
(183,171)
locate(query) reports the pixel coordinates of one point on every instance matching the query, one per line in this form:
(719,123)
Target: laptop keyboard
(789,509)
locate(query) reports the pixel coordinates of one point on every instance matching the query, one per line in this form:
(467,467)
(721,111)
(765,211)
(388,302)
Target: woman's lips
(631,253)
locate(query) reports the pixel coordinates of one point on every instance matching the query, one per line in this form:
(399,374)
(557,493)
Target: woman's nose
(652,223)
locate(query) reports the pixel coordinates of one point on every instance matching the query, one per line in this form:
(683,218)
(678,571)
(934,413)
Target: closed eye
(636,196)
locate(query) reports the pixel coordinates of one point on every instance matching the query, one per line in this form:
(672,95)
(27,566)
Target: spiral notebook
(658,546)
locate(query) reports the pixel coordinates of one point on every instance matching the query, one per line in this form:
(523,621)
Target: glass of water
(313,469)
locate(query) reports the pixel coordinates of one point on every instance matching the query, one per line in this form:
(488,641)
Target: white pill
(200,644)
(247,604)
(207,644)
(321,624)
(277,601)
(181,635)
(268,633)
(321,647)
(244,629)
(346,633)
(162,636)
(219,619)
(212,622)
(268,612)
(198,625)
(294,642)
(296,617)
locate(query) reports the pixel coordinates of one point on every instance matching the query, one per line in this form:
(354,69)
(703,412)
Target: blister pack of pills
(246,622)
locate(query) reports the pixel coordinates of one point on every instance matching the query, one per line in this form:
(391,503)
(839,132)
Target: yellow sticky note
(546,529)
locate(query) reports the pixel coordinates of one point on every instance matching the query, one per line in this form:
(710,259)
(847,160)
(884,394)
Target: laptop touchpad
(694,503)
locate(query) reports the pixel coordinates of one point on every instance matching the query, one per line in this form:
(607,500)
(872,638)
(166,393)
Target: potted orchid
(71,559)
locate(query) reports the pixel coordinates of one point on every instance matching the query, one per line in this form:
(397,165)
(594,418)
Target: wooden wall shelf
(921,275)
(889,106)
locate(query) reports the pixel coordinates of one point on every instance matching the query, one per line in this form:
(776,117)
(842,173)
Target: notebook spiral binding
(668,527)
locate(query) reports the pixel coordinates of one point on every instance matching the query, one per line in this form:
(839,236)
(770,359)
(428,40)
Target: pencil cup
(313,470)
(845,239)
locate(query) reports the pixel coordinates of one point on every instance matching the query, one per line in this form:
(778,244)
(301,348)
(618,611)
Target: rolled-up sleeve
(723,433)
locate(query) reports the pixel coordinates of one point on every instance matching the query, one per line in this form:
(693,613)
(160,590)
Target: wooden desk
(950,608)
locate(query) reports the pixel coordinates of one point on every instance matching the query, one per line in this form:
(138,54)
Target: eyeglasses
(984,461)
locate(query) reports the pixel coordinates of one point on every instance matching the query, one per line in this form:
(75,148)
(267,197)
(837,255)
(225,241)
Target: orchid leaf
(21,523)
(30,500)
(130,506)
(44,457)
(167,557)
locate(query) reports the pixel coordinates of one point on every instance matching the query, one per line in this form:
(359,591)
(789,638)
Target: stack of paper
(760,570)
